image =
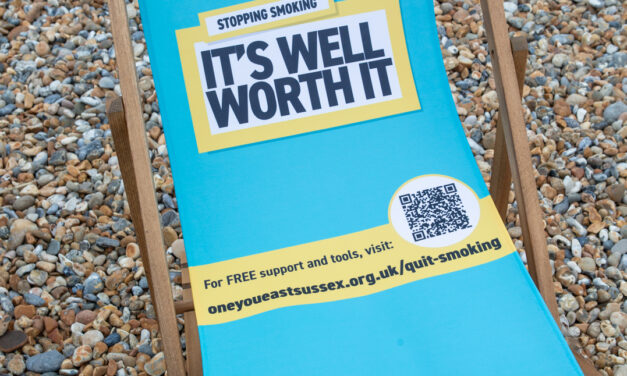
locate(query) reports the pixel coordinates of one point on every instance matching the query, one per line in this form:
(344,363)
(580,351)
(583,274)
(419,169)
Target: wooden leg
(192,340)
(127,126)
(515,135)
(139,193)
(501,179)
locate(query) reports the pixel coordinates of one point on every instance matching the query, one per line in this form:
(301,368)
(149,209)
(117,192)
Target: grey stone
(24,202)
(54,247)
(562,39)
(93,284)
(34,300)
(105,242)
(49,361)
(620,247)
(106,83)
(58,158)
(613,111)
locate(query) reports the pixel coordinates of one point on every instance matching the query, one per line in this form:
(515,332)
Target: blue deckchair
(341,231)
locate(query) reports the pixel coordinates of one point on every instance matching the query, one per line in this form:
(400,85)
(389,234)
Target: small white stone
(91,338)
(575,248)
(126,262)
(559,60)
(131,11)
(581,115)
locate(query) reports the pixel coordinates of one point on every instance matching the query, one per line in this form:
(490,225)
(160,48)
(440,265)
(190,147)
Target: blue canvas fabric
(485,320)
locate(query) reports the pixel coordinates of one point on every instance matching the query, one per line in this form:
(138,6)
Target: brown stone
(35,11)
(114,280)
(561,108)
(12,341)
(38,325)
(149,324)
(16,31)
(112,368)
(100,371)
(27,310)
(141,359)
(42,48)
(596,227)
(460,15)
(58,291)
(29,100)
(86,317)
(99,349)
(68,317)
(578,172)
(616,192)
(55,336)
(169,235)
(576,289)
(50,324)
(594,215)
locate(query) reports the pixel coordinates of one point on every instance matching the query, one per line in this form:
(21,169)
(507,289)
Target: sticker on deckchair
(264,70)
(437,225)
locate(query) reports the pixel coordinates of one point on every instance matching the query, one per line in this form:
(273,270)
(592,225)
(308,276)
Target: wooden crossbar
(501,176)
(512,161)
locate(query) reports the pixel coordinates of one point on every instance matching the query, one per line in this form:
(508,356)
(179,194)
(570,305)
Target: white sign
(262,14)
(298,71)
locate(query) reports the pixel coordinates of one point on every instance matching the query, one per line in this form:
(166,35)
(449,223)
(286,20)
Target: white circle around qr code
(434,211)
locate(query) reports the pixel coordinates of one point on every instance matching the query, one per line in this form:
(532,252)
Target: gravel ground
(73,295)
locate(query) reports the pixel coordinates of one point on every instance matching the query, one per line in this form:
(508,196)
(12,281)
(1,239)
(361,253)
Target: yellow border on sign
(208,142)
(205,297)
(266,26)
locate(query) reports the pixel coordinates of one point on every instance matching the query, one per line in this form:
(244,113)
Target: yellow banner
(344,267)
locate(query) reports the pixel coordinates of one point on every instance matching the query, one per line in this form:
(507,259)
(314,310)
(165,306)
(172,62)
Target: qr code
(434,212)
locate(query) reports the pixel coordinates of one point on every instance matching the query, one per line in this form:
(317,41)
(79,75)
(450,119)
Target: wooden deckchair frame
(512,161)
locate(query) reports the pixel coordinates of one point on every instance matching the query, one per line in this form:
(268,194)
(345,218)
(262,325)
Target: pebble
(93,284)
(5,320)
(53,247)
(85,317)
(614,111)
(106,83)
(12,340)
(568,303)
(82,354)
(23,203)
(620,247)
(559,60)
(16,365)
(156,365)
(616,192)
(112,339)
(34,300)
(515,232)
(91,338)
(587,265)
(49,361)
(575,248)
